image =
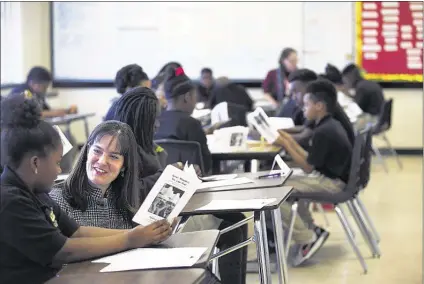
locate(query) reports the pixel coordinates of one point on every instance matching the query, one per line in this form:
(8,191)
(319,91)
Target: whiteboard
(328,35)
(92,40)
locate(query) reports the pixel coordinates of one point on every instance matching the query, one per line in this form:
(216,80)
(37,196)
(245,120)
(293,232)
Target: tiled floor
(394,201)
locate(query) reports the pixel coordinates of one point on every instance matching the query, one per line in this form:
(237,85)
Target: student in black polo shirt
(205,86)
(299,81)
(176,122)
(36,236)
(367,94)
(329,157)
(37,83)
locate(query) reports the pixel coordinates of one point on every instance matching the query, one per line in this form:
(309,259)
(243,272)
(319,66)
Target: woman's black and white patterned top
(101,211)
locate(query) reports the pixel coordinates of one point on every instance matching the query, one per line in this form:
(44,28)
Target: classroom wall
(406,132)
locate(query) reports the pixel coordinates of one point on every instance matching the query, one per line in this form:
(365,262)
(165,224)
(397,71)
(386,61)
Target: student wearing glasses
(36,236)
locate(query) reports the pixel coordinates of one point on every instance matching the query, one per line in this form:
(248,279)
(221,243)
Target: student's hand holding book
(283,139)
(154,233)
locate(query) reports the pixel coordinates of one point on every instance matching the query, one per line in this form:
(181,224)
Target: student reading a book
(36,236)
(329,156)
(206,85)
(368,95)
(299,81)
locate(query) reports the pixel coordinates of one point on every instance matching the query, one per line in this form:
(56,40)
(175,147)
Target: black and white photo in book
(166,200)
(237,139)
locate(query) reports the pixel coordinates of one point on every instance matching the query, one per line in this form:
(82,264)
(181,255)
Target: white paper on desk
(219,177)
(230,139)
(168,197)
(300,172)
(239,204)
(281,122)
(151,258)
(220,113)
(221,183)
(284,169)
(67,146)
(261,122)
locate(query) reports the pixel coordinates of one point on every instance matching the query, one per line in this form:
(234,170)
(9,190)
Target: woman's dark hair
(286,53)
(138,108)
(39,74)
(129,76)
(126,187)
(23,131)
(160,77)
(322,90)
(177,83)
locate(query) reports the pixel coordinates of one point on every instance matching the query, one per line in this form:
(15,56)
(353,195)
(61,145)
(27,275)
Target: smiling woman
(103,189)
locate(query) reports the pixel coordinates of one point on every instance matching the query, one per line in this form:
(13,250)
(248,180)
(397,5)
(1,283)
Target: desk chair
(182,151)
(348,196)
(379,130)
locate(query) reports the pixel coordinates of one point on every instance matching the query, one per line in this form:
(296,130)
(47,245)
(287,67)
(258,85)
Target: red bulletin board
(389,40)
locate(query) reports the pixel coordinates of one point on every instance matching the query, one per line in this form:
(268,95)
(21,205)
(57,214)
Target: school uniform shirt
(369,96)
(33,230)
(290,109)
(231,93)
(341,116)
(39,98)
(101,208)
(330,150)
(180,125)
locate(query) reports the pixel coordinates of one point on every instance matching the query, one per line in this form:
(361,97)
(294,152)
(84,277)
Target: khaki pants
(302,231)
(363,121)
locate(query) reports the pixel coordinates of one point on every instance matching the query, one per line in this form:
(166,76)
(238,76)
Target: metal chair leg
(392,150)
(215,266)
(293,218)
(279,246)
(367,234)
(360,225)
(347,220)
(350,238)
(380,157)
(322,211)
(262,248)
(368,219)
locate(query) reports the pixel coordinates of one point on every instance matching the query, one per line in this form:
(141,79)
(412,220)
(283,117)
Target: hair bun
(18,111)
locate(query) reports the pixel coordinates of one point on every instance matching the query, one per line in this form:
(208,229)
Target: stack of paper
(151,258)
(239,204)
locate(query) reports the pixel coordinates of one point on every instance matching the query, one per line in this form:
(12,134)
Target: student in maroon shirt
(275,85)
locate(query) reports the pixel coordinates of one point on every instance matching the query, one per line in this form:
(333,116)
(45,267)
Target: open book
(262,123)
(168,197)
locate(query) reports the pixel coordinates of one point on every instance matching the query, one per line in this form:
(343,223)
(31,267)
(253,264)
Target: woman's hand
(152,234)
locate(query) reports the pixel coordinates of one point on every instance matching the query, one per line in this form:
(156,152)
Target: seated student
(346,102)
(158,82)
(329,155)
(176,122)
(129,77)
(205,86)
(36,236)
(227,91)
(37,83)
(140,109)
(368,95)
(299,80)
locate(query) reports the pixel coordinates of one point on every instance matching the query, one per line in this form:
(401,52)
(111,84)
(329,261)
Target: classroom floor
(394,201)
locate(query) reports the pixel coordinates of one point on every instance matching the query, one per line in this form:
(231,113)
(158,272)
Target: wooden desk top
(80,273)
(203,198)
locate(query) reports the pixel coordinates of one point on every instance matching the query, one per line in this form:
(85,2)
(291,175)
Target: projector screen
(93,40)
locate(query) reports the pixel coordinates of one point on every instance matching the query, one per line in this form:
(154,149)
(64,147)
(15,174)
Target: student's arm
(305,134)
(94,232)
(29,232)
(297,153)
(296,129)
(54,113)
(195,133)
